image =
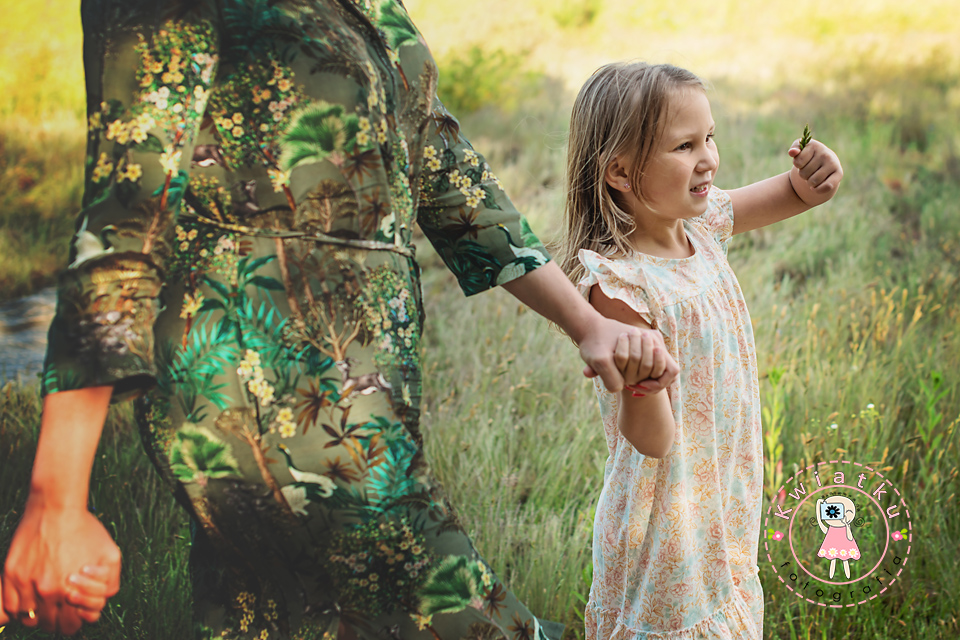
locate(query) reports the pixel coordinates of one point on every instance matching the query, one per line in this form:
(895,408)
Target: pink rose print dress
(675,539)
(836,546)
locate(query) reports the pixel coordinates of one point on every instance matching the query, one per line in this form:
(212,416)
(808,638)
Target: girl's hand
(816,172)
(648,366)
(45,570)
(3,614)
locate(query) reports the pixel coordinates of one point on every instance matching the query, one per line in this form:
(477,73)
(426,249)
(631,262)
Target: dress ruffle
(735,620)
(622,281)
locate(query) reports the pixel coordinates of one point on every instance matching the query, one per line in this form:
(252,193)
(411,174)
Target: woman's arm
(814,179)
(646,421)
(619,353)
(58,536)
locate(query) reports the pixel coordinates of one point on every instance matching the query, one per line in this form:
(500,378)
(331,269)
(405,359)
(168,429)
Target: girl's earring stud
(626,185)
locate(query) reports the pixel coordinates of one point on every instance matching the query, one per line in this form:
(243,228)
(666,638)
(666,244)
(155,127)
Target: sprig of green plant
(806,137)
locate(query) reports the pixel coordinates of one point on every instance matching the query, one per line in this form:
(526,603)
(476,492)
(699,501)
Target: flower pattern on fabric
(675,539)
(244,266)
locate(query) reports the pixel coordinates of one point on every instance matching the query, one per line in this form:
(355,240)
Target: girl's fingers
(86,585)
(820,177)
(85,601)
(89,616)
(659,363)
(10,598)
(646,359)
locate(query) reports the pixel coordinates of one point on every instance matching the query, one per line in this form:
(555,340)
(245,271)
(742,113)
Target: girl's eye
(684,146)
(710,136)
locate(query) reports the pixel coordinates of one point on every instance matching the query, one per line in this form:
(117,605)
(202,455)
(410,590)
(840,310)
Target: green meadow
(855,305)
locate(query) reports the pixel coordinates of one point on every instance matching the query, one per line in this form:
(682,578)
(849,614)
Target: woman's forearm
(550,293)
(70,429)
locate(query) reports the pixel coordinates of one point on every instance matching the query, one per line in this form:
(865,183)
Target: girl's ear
(616,177)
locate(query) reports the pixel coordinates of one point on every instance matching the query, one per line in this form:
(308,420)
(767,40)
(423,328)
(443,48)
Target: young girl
(677,524)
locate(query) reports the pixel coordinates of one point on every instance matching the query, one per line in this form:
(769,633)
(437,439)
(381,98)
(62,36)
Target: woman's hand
(816,172)
(639,354)
(62,565)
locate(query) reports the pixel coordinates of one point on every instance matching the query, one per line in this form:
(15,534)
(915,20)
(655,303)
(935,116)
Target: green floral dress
(243,266)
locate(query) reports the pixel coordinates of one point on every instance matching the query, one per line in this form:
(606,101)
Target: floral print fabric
(675,539)
(243,266)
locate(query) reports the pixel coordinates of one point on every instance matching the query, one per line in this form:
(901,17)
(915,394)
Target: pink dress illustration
(836,545)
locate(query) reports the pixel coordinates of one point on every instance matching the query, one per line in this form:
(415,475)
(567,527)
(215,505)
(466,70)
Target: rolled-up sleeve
(478,232)
(147,90)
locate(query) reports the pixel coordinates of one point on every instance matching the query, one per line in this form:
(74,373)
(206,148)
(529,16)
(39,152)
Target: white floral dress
(675,539)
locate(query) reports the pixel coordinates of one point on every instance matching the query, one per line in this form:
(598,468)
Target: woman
(243,266)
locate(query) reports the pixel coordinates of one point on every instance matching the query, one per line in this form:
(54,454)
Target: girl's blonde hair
(620,111)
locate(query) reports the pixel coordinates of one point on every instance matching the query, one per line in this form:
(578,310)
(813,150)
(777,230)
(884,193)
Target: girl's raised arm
(814,179)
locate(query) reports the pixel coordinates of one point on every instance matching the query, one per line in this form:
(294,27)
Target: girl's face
(684,165)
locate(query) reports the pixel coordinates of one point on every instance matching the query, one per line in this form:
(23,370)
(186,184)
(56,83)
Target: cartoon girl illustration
(834,516)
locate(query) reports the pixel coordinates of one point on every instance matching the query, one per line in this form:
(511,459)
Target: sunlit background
(855,304)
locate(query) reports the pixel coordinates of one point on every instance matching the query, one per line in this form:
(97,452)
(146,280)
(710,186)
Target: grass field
(854,304)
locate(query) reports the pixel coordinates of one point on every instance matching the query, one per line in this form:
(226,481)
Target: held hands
(44,575)
(816,172)
(638,356)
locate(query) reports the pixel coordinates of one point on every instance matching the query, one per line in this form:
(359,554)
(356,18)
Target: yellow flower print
(429,151)
(184,246)
(146,80)
(236,132)
(284,84)
(474,196)
(422,621)
(181,234)
(364,123)
(103,169)
(252,357)
(191,304)
(433,164)
(372,99)
(167,78)
(114,129)
(362,138)
(95,121)
(192,235)
(170,160)
(279,179)
(238,118)
(470,156)
(156,67)
(287,430)
(131,172)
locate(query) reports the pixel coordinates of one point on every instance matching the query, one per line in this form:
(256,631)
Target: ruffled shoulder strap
(718,218)
(621,279)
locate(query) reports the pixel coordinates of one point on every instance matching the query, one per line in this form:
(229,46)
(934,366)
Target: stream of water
(23,335)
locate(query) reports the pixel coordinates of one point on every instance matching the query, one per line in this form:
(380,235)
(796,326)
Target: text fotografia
(838,533)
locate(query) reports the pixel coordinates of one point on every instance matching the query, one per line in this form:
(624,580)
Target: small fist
(816,172)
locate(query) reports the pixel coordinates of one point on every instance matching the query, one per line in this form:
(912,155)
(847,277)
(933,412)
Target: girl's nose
(709,161)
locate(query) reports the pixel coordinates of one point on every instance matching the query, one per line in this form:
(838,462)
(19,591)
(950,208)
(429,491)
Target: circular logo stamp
(838,534)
